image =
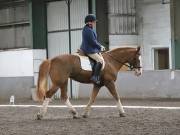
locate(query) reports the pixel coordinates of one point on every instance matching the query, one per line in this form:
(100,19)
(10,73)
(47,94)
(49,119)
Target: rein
(129,66)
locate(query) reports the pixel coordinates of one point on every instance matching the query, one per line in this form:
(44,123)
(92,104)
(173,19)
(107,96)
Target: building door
(64,27)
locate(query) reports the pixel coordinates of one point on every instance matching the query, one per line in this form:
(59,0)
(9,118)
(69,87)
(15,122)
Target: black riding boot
(96,73)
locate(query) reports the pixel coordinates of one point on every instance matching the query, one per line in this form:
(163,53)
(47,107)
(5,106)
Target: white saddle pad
(85,62)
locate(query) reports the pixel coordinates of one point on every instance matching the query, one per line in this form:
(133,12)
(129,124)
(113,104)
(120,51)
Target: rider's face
(93,23)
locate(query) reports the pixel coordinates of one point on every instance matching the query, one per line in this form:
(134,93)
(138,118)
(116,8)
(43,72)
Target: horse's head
(136,62)
(129,55)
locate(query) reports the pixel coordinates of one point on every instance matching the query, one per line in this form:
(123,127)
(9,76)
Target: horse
(62,67)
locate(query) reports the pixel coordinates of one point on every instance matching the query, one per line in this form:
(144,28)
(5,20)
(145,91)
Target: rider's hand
(103,48)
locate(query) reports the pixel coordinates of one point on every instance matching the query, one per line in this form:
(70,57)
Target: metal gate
(65,20)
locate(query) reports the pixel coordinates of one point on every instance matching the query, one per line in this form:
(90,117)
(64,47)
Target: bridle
(130,65)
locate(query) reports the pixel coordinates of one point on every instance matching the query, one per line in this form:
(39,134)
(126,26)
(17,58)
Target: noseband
(131,66)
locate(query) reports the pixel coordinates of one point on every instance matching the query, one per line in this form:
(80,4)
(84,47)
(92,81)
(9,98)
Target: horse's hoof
(122,115)
(39,116)
(85,116)
(74,113)
(76,117)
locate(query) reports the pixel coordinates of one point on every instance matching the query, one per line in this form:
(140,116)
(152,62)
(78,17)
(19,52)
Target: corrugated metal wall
(122,16)
(58,34)
(79,9)
(14,25)
(57,16)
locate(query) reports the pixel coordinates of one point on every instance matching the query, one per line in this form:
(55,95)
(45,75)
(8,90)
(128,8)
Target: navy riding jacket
(89,41)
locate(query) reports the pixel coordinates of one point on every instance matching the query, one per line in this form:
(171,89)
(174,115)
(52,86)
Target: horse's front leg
(112,90)
(91,101)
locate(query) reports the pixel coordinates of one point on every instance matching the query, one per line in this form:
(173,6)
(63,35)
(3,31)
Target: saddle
(83,55)
(96,67)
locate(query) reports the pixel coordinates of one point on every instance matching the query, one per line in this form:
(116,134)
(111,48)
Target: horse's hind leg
(65,98)
(91,101)
(112,90)
(43,109)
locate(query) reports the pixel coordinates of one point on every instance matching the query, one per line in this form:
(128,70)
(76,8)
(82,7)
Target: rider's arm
(92,39)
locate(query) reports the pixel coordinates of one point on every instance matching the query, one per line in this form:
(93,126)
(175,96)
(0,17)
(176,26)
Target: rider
(91,47)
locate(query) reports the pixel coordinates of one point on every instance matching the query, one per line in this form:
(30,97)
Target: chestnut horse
(62,67)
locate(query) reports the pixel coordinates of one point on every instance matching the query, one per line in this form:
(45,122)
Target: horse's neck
(120,56)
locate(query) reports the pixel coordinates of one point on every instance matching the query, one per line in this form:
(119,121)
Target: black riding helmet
(90,18)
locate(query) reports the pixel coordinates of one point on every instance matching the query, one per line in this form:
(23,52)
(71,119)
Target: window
(122,17)
(161,59)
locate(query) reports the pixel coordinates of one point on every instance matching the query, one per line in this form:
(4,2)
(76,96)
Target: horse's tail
(42,84)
